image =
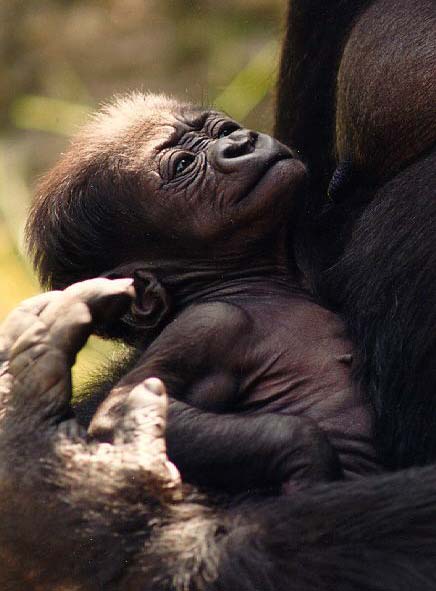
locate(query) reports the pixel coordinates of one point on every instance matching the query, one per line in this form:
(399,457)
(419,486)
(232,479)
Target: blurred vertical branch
(251,85)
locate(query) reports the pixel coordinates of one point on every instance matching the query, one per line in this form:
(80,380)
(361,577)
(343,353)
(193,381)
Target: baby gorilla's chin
(283,177)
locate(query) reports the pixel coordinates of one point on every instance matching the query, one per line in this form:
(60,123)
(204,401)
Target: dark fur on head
(85,212)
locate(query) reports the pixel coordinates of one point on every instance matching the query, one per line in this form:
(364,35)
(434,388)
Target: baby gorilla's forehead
(146,124)
(174,124)
(135,117)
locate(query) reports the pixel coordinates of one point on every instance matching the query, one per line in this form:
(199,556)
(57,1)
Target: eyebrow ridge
(195,123)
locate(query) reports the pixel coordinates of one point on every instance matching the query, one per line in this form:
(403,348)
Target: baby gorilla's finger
(134,421)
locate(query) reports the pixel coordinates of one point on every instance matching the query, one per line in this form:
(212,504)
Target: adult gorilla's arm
(65,499)
(356,97)
(316,32)
(77,513)
(311,53)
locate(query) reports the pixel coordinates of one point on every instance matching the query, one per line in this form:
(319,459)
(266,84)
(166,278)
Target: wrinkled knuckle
(80,313)
(155,385)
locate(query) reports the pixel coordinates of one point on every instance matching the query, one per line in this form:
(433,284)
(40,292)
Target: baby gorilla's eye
(183,163)
(227,129)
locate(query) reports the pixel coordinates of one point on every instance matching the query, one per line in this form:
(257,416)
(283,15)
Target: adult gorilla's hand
(61,491)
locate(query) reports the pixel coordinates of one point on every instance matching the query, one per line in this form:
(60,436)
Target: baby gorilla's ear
(151,308)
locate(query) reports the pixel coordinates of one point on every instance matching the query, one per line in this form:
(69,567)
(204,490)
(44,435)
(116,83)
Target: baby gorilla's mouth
(269,164)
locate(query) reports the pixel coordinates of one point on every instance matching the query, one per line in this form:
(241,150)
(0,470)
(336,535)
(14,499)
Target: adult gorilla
(358,94)
(74,516)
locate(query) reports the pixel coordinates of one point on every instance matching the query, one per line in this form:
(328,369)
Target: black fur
(371,253)
(388,296)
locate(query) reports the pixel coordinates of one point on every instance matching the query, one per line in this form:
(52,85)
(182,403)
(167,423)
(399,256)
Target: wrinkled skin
(157,165)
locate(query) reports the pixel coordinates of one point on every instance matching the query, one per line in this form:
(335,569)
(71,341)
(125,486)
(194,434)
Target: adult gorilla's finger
(85,304)
(104,297)
(53,329)
(15,324)
(64,319)
(21,318)
(132,414)
(133,420)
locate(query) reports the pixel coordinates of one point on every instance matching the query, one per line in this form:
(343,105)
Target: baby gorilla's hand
(306,456)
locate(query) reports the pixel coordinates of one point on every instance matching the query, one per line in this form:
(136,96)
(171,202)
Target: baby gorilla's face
(206,178)
(155,180)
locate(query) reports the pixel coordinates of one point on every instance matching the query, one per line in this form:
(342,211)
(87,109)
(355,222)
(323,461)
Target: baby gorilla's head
(153,179)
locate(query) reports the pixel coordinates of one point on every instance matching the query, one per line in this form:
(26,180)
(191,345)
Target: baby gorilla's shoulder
(204,332)
(222,320)
(219,312)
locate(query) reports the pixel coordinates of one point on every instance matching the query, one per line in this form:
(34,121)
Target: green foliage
(47,114)
(249,87)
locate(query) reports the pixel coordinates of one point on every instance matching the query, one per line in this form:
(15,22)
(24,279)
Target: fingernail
(123,282)
(155,385)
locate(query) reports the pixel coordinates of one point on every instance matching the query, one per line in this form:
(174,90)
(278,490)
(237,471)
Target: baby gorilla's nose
(230,152)
(238,143)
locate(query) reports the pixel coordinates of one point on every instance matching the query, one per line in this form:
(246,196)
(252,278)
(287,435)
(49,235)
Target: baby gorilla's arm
(200,357)
(234,452)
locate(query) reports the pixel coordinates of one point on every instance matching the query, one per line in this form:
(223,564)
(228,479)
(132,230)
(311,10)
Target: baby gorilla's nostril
(240,143)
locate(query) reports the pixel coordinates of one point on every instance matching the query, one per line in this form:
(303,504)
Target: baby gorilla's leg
(306,456)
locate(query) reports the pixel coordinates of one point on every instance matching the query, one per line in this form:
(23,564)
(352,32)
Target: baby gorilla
(196,208)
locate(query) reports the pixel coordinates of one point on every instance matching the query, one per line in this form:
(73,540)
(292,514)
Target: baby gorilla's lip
(270,163)
(276,150)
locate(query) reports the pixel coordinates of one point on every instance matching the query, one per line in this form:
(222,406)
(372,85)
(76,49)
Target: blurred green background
(60,58)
